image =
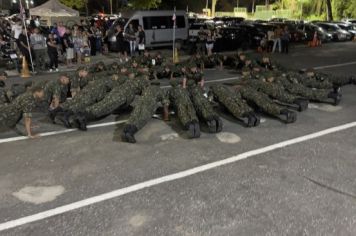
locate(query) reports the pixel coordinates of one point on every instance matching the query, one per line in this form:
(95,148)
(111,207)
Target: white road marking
(14,139)
(335,65)
(168,178)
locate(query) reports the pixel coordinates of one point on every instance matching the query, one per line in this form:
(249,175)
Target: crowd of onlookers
(46,47)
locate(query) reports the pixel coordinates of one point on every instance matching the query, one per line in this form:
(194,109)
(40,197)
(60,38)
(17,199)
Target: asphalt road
(275,179)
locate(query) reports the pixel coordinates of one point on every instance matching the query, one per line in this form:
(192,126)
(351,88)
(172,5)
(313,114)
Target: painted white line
(210,81)
(167,178)
(335,65)
(14,139)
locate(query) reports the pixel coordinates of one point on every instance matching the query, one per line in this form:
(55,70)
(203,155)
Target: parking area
(274,179)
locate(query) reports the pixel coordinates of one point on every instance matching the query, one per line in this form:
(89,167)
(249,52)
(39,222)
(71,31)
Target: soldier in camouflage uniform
(234,103)
(22,106)
(122,94)
(293,86)
(98,67)
(4,93)
(113,68)
(204,109)
(94,92)
(159,59)
(80,80)
(152,97)
(193,74)
(145,59)
(212,61)
(274,90)
(162,72)
(324,81)
(184,108)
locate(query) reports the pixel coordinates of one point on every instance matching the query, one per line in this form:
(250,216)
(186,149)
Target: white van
(158,27)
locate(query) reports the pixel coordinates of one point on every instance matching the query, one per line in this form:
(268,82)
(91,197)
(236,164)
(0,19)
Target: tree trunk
(329,10)
(253,6)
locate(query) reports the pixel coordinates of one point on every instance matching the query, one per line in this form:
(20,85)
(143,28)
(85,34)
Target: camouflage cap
(80,68)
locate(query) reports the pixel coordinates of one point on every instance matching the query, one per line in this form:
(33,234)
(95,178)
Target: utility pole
(111,7)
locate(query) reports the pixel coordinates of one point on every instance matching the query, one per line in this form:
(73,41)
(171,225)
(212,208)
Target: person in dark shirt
(24,46)
(120,41)
(52,52)
(141,40)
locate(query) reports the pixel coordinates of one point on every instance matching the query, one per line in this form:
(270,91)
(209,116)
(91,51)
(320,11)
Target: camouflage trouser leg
(201,104)
(308,93)
(110,103)
(232,101)
(314,83)
(80,102)
(9,116)
(279,93)
(183,106)
(143,112)
(261,100)
(340,80)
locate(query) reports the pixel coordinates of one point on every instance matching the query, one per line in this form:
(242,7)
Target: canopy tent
(53,8)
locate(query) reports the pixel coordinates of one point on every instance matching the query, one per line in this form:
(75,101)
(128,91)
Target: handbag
(141,46)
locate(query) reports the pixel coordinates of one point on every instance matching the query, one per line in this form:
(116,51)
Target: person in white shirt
(38,43)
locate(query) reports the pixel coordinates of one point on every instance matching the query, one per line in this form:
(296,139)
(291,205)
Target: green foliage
(344,8)
(79,4)
(144,4)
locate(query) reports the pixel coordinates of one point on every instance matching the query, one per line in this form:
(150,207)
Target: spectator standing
(131,37)
(141,40)
(92,40)
(270,39)
(78,43)
(68,46)
(38,43)
(16,30)
(61,29)
(120,41)
(52,50)
(277,39)
(210,40)
(99,38)
(201,41)
(24,47)
(285,40)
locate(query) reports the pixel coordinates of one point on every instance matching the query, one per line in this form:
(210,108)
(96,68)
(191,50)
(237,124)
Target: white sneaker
(57,70)
(50,70)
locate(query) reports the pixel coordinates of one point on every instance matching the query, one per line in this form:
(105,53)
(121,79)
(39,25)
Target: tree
(144,4)
(329,10)
(79,4)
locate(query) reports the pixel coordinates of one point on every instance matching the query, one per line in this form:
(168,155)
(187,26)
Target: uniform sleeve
(165,97)
(28,108)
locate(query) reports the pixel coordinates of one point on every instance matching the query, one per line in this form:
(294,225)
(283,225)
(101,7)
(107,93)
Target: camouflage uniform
(22,106)
(144,109)
(79,83)
(204,109)
(161,72)
(90,94)
(121,94)
(294,87)
(55,89)
(184,109)
(197,77)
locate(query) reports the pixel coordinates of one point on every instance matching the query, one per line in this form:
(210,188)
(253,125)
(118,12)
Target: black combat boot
(215,124)
(352,80)
(53,113)
(193,129)
(128,134)
(251,119)
(301,103)
(82,121)
(336,97)
(63,117)
(291,116)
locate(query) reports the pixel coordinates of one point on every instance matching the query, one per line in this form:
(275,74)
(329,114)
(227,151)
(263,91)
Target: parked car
(337,33)
(310,29)
(348,27)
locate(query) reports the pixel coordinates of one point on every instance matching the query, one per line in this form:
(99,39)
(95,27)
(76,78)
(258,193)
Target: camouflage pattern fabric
(184,108)
(261,100)
(293,87)
(201,104)
(121,94)
(232,101)
(23,105)
(146,106)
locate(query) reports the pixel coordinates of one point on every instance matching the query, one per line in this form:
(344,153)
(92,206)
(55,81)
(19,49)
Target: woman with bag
(141,40)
